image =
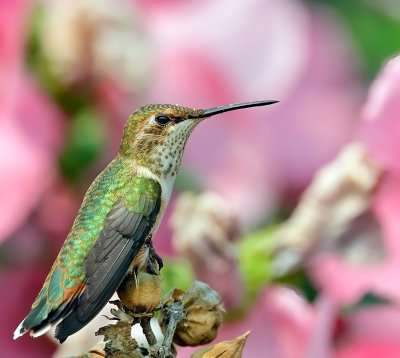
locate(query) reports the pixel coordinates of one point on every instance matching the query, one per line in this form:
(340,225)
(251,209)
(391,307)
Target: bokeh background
(317,281)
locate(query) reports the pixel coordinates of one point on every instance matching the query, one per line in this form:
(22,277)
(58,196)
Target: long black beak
(231,107)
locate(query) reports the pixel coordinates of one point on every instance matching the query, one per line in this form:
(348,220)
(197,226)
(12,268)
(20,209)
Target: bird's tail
(43,316)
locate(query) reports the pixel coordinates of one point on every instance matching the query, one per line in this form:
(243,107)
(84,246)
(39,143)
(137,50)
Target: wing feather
(108,261)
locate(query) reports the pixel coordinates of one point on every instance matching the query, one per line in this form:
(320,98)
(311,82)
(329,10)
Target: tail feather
(87,307)
(42,317)
(19,331)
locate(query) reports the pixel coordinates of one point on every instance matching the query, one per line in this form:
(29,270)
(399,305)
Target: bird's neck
(164,176)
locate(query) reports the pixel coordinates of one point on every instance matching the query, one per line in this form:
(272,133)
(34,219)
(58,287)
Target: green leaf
(370,299)
(374,30)
(300,280)
(85,142)
(176,274)
(256,261)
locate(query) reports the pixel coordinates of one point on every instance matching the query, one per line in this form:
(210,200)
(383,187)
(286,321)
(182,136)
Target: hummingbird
(121,211)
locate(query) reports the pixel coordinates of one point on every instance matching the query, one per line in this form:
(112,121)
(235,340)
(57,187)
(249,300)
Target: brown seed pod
(141,292)
(204,313)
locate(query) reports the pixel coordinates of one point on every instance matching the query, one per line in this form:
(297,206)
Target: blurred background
(318,280)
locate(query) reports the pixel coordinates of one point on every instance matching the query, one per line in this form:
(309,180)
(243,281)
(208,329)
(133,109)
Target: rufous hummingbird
(121,211)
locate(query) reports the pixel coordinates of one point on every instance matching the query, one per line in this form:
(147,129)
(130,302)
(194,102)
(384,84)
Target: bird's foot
(159,260)
(119,304)
(122,313)
(122,316)
(154,262)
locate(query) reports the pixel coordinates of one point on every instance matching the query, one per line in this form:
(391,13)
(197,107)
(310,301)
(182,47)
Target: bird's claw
(118,303)
(121,315)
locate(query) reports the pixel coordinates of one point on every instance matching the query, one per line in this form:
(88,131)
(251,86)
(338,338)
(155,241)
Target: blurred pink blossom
(370,333)
(30,137)
(30,125)
(379,131)
(380,127)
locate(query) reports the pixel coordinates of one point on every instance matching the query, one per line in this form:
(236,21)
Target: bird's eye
(162,119)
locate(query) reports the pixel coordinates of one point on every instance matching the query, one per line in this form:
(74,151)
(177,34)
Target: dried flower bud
(205,230)
(225,349)
(204,313)
(142,292)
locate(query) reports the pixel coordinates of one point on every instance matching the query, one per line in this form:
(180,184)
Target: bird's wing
(125,230)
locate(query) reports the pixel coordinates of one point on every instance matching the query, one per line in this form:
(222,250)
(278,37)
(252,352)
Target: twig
(174,315)
(148,332)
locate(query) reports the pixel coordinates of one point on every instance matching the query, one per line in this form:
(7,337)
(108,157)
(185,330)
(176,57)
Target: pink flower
(370,333)
(380,127)
(379,132)
(30,126)
(30,137)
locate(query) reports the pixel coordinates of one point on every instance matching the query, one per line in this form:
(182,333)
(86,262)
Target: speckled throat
(167,155)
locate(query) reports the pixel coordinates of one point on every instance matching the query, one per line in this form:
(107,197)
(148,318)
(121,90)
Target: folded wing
(125,230)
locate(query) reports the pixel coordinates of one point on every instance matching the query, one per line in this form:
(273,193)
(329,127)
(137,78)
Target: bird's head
(155,135)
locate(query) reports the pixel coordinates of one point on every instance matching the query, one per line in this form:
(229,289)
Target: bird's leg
(135,276)
(120,313)
(118,303)
(153,261)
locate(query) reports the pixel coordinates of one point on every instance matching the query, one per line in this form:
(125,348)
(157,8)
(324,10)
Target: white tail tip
(40,331)
(19,331)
